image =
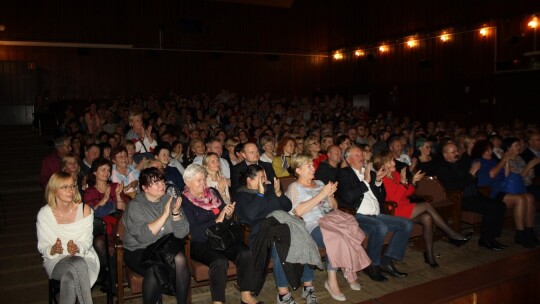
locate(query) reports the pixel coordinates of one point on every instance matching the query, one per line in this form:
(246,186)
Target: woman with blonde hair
(267,144)
(232,157)
(312,146)
(196,148)
(70,165)
(215,178)
(141,137)
(312,200)
(64,232)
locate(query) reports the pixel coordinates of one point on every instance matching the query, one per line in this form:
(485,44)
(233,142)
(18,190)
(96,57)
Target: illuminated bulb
(383,48)
(412,43)
(359,53)
(445,37)
(338,56)
(483,32)
(533,23)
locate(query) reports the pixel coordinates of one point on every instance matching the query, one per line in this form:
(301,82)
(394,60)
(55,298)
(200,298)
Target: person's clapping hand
(176,206)
(119,188)
(72,248)
(226,212)
(380,174)
(329,189)
(367,172)
(57,247)
(418,176)
(277,187)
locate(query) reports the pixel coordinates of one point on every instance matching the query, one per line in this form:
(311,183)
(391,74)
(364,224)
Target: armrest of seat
(187,247)
(455,196)
(246,229)
(415,198)
(389,207)
(119,248)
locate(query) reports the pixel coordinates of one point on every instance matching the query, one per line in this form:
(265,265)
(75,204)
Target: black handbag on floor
(224,235)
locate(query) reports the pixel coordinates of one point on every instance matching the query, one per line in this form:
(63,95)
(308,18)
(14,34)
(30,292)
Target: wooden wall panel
(64,72)
(425,81)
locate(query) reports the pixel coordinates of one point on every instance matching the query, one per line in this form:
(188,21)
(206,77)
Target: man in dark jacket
(361,189)
(454,176)
(250,153)
(328,170)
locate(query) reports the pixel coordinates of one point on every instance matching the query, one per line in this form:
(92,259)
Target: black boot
(522,239)
(531,236)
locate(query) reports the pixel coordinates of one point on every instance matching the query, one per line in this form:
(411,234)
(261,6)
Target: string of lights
(414,41)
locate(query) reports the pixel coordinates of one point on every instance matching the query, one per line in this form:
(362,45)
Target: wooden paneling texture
(436,80)
(426,81)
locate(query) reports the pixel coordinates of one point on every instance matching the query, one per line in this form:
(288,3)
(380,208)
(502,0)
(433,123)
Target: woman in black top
(204,208)
(256,199)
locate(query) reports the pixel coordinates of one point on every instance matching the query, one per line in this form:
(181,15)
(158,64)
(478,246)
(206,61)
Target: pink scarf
(208,202)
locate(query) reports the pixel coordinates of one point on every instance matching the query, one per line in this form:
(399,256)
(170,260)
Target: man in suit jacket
(250,153)
(363,190)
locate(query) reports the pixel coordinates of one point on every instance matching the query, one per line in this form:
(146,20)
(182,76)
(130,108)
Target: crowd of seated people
(364,161)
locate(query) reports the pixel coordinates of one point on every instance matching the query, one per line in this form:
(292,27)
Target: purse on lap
(224,235)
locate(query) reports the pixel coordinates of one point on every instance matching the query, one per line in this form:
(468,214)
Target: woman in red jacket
(398,189)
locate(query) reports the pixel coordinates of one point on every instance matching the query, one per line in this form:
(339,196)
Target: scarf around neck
(208,202)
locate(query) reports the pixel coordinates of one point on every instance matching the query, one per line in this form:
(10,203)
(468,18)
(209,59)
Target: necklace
(64,217)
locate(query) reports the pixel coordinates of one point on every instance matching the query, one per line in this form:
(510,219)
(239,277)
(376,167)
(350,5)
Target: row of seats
(447,203)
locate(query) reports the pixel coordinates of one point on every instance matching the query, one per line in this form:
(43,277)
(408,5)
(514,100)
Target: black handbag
(160,256)
(224,235)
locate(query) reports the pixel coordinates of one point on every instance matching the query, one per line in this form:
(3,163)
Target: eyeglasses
(69,187)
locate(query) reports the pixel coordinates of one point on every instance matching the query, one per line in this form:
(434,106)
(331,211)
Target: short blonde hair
(300,160)
(231,143)
(68,157)
(310,140)
(133,115)
(149,163)
(56,181)
(266,139)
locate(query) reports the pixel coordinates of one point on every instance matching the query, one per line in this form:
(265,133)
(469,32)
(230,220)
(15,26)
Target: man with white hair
(362,189)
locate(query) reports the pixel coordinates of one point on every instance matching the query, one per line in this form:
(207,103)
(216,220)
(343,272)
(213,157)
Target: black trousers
(151,289)
(492,211)
(218,263)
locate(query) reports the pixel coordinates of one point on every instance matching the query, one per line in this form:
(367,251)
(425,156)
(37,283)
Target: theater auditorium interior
(75,75)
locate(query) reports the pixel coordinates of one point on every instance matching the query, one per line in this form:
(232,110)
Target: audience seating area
(128,278)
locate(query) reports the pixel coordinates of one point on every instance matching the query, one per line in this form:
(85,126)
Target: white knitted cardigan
(48,230)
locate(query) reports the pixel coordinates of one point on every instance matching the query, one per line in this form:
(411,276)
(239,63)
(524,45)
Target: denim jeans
(376,227)
(279,275)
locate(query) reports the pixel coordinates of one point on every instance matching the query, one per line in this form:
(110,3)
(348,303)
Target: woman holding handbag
(204,208)
(150,216)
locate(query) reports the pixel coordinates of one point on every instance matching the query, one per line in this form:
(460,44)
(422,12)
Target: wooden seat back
(285,182)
